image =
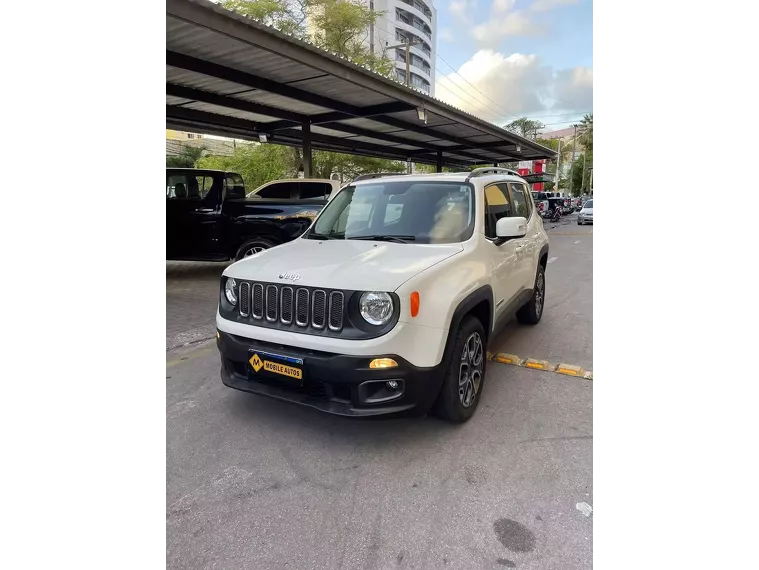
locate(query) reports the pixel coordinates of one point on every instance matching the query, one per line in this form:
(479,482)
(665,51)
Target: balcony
(424,47)
(419,9)
(403,17)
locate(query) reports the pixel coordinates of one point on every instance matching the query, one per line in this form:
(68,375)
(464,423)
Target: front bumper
(585,219)
(334,383)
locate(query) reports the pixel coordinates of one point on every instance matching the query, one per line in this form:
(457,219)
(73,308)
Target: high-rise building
(413,20)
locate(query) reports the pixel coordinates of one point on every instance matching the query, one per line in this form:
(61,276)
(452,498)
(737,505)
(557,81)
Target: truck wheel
(530,313)
(253,246)
(462,385)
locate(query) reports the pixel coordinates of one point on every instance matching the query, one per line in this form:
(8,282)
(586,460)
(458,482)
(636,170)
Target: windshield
(422,212)
(589,204)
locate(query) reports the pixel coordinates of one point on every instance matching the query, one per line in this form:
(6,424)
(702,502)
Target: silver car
(586,214)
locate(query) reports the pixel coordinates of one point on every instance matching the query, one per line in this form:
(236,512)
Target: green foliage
(581,176)
(528,128)
(338,26)
(286,16)
(256,164)
(586,132)
(187,159)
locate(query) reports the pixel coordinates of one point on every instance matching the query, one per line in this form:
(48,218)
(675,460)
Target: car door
(193,214)
(503,254)
(527,247)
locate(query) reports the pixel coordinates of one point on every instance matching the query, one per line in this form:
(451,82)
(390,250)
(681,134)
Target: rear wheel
(531,312)
(462,385)
(253,246)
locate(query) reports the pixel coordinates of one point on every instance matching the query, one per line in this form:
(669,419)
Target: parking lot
(257,483)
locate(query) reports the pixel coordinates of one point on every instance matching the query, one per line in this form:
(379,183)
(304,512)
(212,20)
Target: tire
(532,311)
(458,401)
(579,223)
(253,246)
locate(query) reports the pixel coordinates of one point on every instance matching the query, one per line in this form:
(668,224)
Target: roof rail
(490,170)
(378,175)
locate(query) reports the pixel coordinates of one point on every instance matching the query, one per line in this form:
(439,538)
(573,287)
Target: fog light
(383,363)
(392,384)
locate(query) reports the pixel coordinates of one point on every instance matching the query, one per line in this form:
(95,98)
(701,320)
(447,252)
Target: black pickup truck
(209,217)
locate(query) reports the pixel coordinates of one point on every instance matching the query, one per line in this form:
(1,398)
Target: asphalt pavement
(257,483)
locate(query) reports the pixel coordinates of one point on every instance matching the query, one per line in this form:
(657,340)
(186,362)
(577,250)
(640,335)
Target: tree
(580,174)
(256,164)
(287,16)
(187,158)
(586,132)
(528,128)
(338,26)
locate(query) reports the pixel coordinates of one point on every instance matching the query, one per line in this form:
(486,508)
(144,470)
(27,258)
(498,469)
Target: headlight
(230,290)
(376,307)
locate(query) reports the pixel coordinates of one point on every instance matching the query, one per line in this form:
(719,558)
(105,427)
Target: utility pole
(558,169)
(572,167)
(407,46)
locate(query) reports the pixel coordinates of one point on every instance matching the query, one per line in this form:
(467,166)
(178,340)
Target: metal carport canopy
(231,76)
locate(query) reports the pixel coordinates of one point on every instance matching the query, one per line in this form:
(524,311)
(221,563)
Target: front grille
(258,301)
(283,306)
(244,299)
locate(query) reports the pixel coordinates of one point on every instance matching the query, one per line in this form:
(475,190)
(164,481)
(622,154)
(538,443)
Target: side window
(497,206)
(279,191)
(522,205)
(183,187)
(313,190)
(202,187)
(234,186)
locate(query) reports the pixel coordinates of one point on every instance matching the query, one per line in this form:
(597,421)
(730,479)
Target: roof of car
(440,177)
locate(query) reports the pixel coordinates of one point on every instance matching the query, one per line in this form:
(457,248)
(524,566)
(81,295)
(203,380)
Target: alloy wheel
(470,369)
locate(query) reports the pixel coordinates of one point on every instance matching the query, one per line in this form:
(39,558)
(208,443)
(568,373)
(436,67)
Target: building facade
(412,20)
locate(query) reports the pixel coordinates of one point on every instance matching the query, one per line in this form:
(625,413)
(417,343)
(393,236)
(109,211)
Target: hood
(342,264)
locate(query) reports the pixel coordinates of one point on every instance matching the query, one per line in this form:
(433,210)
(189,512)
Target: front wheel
(253,246)
(530,313)
(462,385)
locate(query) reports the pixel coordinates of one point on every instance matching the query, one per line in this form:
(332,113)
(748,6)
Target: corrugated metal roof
(229,75)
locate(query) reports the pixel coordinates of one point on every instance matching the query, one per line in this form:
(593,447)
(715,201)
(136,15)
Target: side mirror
(511,227)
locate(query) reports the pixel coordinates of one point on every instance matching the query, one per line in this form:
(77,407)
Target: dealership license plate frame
(272,366)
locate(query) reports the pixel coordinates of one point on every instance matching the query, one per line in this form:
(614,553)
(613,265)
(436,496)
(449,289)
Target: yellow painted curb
(538,364)
(504,358)
(489,355)
(570,370)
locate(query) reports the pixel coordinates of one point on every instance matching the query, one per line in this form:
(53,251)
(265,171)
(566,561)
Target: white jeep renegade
(387,302)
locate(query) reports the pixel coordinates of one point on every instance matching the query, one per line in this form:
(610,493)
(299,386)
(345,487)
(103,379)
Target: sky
(504,59)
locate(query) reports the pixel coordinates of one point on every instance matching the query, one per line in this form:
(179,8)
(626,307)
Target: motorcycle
(554,214)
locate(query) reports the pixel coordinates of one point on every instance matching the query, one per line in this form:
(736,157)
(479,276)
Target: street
(257,483)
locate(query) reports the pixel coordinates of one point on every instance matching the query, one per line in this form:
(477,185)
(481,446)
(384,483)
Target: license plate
(266,363)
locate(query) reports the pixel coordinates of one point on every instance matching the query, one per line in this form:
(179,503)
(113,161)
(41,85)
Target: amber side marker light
(414,303)
(383,363)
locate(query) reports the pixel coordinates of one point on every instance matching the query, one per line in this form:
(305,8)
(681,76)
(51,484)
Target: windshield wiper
(321,236)
(399,239)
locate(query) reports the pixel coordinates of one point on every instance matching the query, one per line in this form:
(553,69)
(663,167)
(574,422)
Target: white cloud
(503,6)
(462,8)
(499,88)
(446,35)
(574,88)
(492,32)
(546,5)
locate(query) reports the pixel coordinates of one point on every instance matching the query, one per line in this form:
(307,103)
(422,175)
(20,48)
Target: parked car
(542,202)
(209,218)
(296,189)
(386,304)
(586,214)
